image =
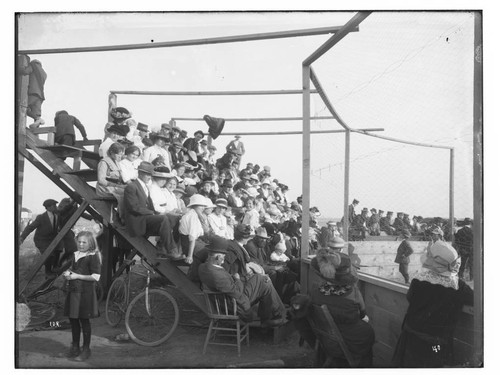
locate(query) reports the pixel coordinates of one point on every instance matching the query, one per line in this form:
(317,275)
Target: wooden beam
(306,161)
(452,194)
(209,93)
(347,166)
(300,132)
(401,140)
(477,227)
(325,99)
(258,118)
(193,42)
(350,26)
(50,249)
(22,104)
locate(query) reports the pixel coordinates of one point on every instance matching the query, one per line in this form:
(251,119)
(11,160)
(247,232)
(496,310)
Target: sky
(409,73)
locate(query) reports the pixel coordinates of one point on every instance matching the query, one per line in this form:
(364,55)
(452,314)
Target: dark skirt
(81,300)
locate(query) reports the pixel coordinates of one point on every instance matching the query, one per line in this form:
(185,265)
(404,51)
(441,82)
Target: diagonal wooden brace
(69,224)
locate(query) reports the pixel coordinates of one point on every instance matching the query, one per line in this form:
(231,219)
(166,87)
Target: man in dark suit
(140,217)
(46,228)
(247,292)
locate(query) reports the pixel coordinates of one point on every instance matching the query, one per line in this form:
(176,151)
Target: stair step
(86,174)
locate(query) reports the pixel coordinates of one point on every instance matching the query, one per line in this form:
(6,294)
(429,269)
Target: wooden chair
(329,342)
(224,321)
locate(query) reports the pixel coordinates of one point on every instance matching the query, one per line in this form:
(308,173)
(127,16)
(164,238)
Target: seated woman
(190,227)
(129,164)
(251,217)
(179,194)
(436,297)
(217,220)
(336,288)
(109,179)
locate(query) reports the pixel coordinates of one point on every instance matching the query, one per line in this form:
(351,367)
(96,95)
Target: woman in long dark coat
(436,297)
(337,289)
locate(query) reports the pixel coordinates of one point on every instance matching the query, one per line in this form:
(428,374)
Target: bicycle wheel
(154,323)
(116,302)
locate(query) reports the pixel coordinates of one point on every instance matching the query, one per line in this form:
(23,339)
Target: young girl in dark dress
(81,300)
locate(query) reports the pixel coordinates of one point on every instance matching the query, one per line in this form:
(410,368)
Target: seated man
(257,288)
(140,217)
(258,250)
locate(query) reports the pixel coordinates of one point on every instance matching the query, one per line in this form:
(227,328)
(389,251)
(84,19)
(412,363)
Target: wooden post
(306,171)
(22,105)
(347,163)
(106,251)
(111,104)
(478,191)
(452,193)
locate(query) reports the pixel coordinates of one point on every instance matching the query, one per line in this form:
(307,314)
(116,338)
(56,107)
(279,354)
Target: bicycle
(151,317)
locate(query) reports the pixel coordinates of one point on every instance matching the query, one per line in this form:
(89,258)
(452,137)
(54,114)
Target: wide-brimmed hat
(266,181)
(146,167)
(251,191)
(467,221)
(280,246)
(197,200)
(162,172)
(159,135)
(221,202)
(267,168)
(261,232)
(121,130)
(244,230)
(331,222)
(336,243)
(334,267)
(142,127)
(210,204)
(217,245)
(355,201)
(120,113)
(442,259)
(49,202)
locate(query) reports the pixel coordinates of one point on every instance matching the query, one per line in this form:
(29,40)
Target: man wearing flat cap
(46,228)
(140,217)
(399,224)
(247,291)
(385,223)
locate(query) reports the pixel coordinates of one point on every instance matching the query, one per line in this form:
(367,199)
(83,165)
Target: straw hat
(197,200)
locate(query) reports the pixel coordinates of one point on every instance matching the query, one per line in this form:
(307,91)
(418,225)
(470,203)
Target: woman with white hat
(436,297)
(217,220)
(190,227)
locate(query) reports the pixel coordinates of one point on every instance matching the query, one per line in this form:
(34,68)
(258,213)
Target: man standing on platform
(46,229)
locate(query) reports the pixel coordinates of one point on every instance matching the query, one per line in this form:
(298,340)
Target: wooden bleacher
(74,182)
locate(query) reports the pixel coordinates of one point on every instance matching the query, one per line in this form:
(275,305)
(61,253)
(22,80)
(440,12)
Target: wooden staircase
(74,182)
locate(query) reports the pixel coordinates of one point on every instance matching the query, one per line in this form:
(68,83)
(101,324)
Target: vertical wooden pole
(346,185)
(452,193)
(478,190)
(111,104)
(106,251)
(306,170)
(22,104)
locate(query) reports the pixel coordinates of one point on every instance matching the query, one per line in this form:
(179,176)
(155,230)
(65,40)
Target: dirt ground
(44,347)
